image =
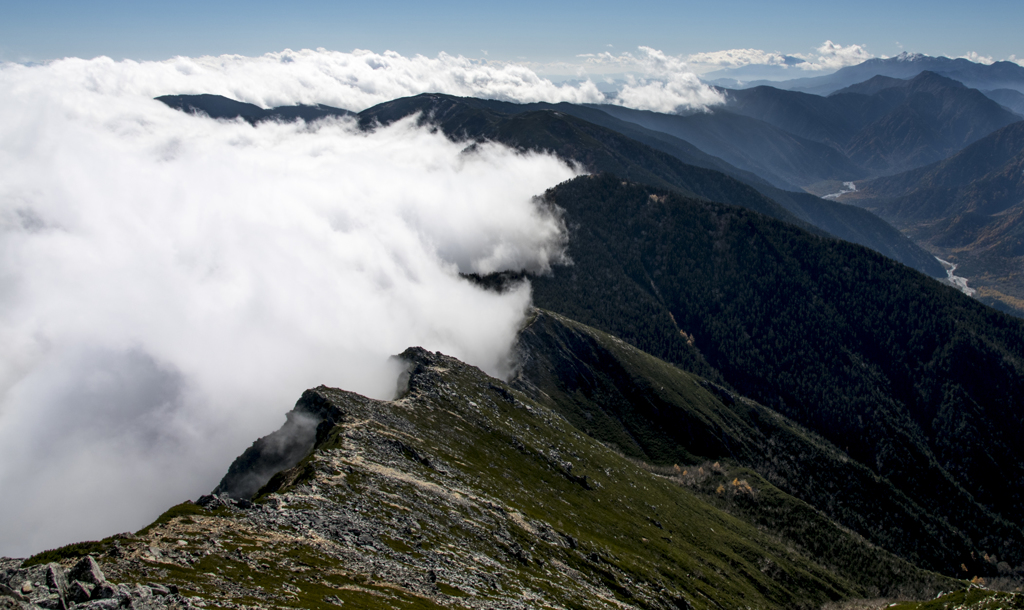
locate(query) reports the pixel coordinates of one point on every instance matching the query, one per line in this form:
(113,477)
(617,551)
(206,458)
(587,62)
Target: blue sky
(531,30)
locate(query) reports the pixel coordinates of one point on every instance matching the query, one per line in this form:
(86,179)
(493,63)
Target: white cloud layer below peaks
(829,56)
(170,284)
(359,79)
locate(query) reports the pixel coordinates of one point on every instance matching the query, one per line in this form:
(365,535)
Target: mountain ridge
(998,75)
(659,160)
(541,516)
(876,358)
(884,125)
(966,208)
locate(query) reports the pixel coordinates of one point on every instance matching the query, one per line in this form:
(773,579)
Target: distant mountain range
(986,77)
(969,208)
(600,142)
(788,161)
(881,126)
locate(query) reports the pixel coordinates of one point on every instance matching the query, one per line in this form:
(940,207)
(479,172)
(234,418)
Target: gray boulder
(79,592)
(87,571)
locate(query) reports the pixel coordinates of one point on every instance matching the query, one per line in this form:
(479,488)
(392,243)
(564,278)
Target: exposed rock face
(280,450)
(52,587)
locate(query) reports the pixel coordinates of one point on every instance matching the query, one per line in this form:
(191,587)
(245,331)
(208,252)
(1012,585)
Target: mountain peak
(934,79)
(904,56)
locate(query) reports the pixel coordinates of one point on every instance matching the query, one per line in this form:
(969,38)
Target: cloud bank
(360,79)
(738,58)
(827,57)
(669,87)
(170,284)
(655,81)
(980,59)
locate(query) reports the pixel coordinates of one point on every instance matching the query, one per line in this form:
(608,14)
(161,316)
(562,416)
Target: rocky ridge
(462,493)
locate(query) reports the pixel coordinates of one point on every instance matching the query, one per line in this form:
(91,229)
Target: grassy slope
(655,412)
(465,493)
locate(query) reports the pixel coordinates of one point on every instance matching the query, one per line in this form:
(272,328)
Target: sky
(550,35)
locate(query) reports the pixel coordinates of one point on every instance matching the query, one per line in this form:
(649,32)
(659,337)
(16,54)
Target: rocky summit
(461,493)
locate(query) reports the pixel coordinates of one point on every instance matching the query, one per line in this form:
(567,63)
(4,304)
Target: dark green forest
(911,378)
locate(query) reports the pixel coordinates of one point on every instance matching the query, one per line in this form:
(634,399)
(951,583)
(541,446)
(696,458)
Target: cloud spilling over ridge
(170,284)
(673,86)
(665,83)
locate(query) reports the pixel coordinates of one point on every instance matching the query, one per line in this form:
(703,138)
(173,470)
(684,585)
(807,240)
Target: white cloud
(170,284)
(737,58)
(360,79)
(976,58)
(832,56)
(655,81)
(354,81)
(669,85)
(829,56)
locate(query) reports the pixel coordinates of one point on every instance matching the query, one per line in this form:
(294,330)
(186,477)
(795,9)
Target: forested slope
(911,378)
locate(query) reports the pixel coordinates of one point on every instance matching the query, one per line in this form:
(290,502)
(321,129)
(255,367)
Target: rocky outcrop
(52,587)
(280,450)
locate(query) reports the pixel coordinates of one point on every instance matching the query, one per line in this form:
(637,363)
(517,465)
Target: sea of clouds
(359,79)
(649,68)
(170,284)
(828,57)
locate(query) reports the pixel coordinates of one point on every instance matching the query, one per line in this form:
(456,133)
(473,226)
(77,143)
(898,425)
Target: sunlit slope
(466,493)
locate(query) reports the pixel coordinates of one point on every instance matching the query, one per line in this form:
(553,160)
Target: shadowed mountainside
(911,378)
(656,412)
(883,125)
(968,208)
